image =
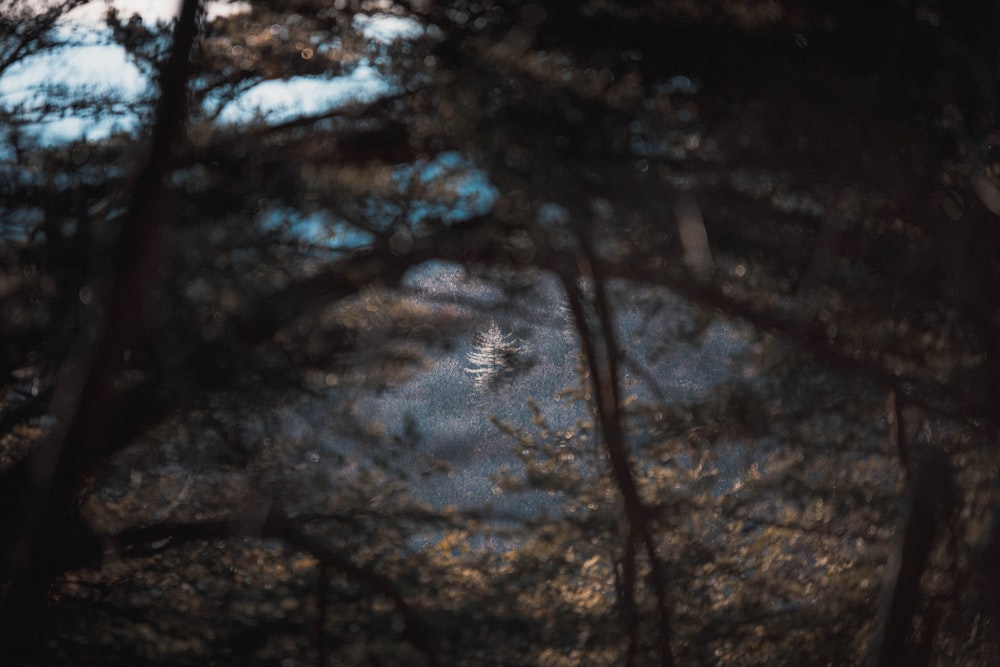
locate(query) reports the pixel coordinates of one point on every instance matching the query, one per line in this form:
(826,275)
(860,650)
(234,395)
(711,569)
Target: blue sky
(85,69)
(90,68)
(279,100)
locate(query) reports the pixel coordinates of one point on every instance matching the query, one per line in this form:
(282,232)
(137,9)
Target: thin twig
(277,525)
(603,365)
(641,526)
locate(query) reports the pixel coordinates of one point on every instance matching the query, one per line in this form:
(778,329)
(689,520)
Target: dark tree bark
(603,362)
(41,532)
(932,500)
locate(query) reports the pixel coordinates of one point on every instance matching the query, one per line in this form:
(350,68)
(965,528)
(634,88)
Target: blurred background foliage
(748,244)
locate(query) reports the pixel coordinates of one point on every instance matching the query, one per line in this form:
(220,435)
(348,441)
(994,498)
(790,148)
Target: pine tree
(494,358)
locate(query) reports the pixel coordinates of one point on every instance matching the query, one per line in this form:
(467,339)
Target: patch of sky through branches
(88,89)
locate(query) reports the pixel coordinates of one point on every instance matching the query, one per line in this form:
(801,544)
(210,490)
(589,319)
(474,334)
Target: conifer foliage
(230,426)
(494,358)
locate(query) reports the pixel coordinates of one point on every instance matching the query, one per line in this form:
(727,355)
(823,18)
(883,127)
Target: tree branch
(151,539)
(40,517)
(931,502)
(603,364)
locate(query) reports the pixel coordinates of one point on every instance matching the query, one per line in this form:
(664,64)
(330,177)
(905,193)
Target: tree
(774,229)
(494,358)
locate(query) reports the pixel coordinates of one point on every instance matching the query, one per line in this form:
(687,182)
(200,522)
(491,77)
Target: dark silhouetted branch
(40,518)
(603,363)
(158,537)
(931,505)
